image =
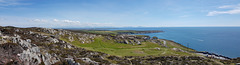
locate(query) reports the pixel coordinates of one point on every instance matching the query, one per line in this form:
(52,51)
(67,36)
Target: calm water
(219,40)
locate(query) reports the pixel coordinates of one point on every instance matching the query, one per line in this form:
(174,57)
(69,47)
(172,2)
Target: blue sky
(119,13)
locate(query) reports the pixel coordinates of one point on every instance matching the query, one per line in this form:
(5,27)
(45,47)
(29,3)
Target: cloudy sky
(119,13)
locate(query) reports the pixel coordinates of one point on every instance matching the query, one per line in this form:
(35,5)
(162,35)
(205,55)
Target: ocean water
(220,40)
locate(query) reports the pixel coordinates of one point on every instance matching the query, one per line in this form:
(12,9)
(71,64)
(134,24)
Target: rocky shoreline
(213,55)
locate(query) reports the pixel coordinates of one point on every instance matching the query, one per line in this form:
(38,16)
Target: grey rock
(29,40)
(71,38)
(165,43)
(48,59)
(158,48)
(88,60)
(53,40)
(30,32)
(31,56)
(24,43)
(126,42)
(177,49)
(138,42)
(17,30)
(70,61)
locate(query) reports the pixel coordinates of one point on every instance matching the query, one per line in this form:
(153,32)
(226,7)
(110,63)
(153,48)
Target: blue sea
(220,40)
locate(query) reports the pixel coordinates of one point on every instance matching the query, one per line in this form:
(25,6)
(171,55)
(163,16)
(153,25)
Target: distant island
(46,46)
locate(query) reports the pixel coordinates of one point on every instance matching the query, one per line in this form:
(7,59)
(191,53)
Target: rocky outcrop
(213,55)
(33,46)
(9,53)
(29,53)
(129,39)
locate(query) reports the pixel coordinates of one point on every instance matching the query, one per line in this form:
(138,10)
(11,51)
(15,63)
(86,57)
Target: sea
(219,40)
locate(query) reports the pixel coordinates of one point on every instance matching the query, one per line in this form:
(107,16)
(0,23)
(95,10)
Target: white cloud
(69,23)
(11,2)
(55,20)
(97,24)
(226,6)
(39,20)
(234,9)
(66,21)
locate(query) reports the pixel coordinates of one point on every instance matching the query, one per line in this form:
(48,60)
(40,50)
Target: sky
(119,13)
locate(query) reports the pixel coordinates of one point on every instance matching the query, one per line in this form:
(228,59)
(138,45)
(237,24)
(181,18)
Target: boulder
(139,43)
(126,42)
(177,49)
(71,38)
(28,40)
(53,40)
(157,48)
(71,61)
(88,60)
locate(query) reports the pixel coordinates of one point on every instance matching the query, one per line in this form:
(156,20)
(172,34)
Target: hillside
(44,46)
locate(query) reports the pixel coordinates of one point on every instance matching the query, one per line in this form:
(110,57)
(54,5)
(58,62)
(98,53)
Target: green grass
(119,49)
(176,45)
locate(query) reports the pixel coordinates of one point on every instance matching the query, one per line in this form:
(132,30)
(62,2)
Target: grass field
(147,48)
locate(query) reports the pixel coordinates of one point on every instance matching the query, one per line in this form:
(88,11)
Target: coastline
(137,32)
(205,53)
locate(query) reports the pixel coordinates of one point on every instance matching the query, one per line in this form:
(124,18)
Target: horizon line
(116,27)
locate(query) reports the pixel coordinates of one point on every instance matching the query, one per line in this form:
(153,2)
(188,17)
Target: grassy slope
(119,49)
(172,44)
(147,48)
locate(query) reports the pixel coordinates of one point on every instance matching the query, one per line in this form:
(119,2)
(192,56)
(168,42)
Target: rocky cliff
(44,46)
